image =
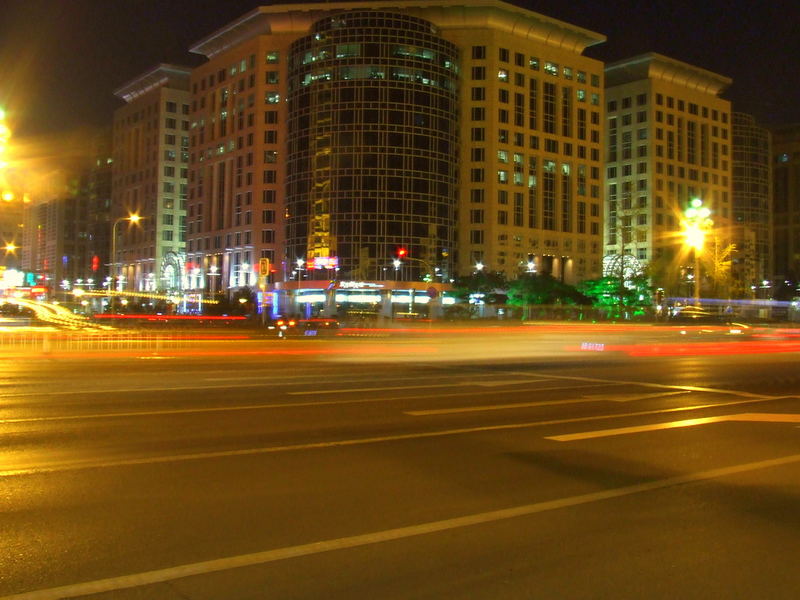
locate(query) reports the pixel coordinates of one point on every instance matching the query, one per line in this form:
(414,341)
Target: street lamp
(696,222)
(132,218)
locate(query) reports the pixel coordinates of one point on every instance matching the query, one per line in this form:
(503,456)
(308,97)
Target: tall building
(786,204)
(67,230)
(752,203)
(331,139)
(149,178)
(668,137)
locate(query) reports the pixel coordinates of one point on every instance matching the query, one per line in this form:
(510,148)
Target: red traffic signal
(401,252)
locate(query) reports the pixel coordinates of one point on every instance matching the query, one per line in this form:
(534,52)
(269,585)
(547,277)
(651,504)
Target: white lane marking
(634,397)
(662,386)
(179,411)
(745,417)
(244,384)
(584,400)
(415,387)
(89,464)
(113,584)
(468,409)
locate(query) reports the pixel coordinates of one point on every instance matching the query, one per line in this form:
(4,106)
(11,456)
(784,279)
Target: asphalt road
(549,463)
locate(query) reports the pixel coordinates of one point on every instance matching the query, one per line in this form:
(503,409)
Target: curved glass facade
(372,147)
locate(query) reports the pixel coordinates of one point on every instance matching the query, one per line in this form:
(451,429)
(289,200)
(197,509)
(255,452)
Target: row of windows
(519,79)
(682,106)
(270,58)
(551,68)
(478,134)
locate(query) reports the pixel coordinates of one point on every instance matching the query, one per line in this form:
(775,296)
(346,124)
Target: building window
(551,68)
(478,52)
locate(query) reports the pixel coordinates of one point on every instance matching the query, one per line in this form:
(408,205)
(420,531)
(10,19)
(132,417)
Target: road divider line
(114,584)
(489,407)
(127,462)
(742,417)
(275,405)
(688,388)
(414,387)
(205,386)
(513,405)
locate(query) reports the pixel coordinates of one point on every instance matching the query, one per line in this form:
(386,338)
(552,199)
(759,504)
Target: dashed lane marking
(113,584)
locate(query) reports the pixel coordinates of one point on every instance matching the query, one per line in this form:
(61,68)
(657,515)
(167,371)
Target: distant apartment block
(150,170)
(668,140)
(786,203)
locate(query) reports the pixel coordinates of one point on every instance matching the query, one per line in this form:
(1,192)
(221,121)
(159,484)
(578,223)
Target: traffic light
(401,252)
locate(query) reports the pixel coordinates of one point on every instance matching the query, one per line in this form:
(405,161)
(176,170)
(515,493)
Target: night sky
(60,60)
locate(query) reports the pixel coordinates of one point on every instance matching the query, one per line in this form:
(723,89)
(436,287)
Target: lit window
(502,74)
(551,68)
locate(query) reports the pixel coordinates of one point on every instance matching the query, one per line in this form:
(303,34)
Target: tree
(491,285)
(605,294)
(718,260)
(532,290)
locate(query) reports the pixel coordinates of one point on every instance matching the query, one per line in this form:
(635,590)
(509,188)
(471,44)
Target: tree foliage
(542,289)
(616,298)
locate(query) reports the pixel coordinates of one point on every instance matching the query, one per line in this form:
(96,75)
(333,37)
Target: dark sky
(60,60)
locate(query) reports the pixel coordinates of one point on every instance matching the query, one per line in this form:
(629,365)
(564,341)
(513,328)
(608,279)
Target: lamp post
(696,221)
(132,218)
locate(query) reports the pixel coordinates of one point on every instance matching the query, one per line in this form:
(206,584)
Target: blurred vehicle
(707,322)
(284,327)
(693,315)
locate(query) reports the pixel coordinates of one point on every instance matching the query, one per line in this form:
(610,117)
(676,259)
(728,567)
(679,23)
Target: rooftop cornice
(658,66)
(158,76)
(445,14)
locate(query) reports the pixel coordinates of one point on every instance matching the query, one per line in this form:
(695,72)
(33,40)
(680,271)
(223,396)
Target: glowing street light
(695,224)
(132,218)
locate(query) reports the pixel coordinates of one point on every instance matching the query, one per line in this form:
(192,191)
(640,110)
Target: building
(752,204)
(149,179)
(786,204)
(67,229)
(330,140)
(668,141)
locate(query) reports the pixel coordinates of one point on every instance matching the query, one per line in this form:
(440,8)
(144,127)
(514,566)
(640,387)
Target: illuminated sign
(354,285)
(324,262)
